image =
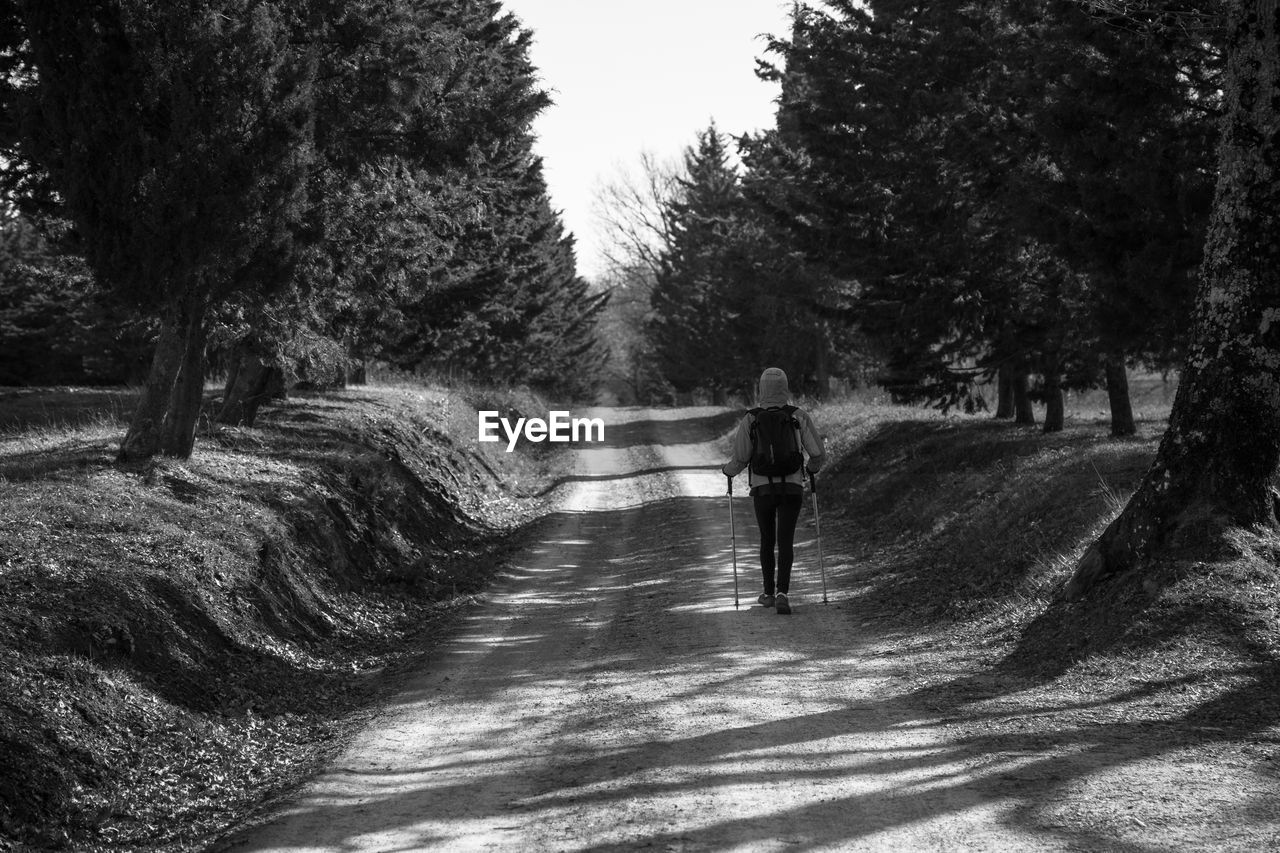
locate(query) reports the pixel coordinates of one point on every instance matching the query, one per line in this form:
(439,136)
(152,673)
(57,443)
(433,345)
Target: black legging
(777,516)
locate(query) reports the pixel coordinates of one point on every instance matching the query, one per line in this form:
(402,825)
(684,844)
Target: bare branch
(635,210)
(1190,20)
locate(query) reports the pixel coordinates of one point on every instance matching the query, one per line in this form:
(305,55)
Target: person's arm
(813,444)
(740,449)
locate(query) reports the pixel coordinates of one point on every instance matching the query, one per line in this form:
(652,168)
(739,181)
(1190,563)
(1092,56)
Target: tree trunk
(1118,395)
(1216,460)
(1055,405)
(1004,392)
(1024,413)
(358,372)
(252,380)
(188,395)
(146,429)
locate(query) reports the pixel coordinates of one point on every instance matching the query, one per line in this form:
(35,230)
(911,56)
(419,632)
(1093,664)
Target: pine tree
(695,307)
(509,305)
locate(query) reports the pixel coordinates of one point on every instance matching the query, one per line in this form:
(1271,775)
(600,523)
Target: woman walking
(772,440)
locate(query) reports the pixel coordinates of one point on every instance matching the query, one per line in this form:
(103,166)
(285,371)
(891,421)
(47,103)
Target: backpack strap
(795,422)
(754,414)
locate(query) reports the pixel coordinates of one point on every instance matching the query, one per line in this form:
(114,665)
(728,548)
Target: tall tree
(1122,183)
(513,305)
(692,317)
(1215,464)
(177,135)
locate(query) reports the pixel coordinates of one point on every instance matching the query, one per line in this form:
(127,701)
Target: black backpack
(775,448)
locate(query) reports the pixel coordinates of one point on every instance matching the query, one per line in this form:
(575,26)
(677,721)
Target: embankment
(181,643)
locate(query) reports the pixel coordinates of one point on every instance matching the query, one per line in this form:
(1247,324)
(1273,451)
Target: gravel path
(607,695)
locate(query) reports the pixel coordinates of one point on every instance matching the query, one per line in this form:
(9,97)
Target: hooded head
(772,389)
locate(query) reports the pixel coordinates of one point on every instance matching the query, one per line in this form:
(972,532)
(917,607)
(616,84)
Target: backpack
(775,447)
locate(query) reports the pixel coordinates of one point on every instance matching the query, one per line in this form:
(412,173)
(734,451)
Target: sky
(629,77)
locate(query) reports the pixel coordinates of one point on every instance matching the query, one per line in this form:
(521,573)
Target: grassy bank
(958,534)
(181,642)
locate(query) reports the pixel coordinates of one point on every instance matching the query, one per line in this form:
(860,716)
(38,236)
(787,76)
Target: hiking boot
(780,602)
(766,599)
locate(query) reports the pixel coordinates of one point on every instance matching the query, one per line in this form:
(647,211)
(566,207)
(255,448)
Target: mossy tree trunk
(1118,396)
(1215,463)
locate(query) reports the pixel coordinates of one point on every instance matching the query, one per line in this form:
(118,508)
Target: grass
(178,642)
(960,531)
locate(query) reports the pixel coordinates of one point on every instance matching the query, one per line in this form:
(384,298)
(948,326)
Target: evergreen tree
(694,305)
(57,326)
(177,136)
(933,156)
(510,306)
(731,291)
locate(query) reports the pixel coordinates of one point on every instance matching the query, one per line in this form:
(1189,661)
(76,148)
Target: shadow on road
(901,752)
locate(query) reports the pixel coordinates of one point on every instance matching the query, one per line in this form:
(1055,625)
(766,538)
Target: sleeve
(740,448)
(813,444)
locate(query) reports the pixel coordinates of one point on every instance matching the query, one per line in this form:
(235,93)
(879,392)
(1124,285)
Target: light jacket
(773,391)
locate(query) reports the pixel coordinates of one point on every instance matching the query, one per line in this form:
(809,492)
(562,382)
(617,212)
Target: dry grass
(958,533)
(180,641)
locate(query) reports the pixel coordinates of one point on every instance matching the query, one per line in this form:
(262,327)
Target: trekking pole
(817,522)
(733,535)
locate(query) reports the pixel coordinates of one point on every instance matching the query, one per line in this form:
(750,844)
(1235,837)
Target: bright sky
(629,77)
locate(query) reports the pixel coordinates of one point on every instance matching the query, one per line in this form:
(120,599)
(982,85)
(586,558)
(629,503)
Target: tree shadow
(80,456)
(669,432)
(654,608)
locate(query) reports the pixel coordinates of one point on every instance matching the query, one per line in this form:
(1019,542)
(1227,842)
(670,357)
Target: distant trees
(57,326)
(730,294)
(988,190)
(279,168)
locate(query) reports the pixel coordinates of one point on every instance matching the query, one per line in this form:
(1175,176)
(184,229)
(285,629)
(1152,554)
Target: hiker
(776,429)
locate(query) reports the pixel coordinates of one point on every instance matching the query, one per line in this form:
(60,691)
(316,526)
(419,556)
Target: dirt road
(607,695)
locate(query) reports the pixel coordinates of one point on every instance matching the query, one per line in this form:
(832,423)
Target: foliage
(730,294)
(945,159)
(286,168)
(56,325)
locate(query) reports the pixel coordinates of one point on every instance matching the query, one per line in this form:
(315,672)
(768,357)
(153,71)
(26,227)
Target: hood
(772,389)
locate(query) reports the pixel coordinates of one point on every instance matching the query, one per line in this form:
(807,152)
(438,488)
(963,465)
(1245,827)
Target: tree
(177,136)
(400,187)
(57,326)
(732,292)
(692,317)
(1217,458)
(511,303)
(946,157)
(635,209)
(1122,182)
